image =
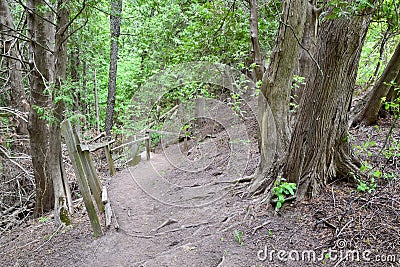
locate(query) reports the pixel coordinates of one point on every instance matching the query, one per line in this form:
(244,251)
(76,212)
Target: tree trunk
(42,72)
(115,22)
(385,38)
(320,147)
(55,164)
(274,98)
(96,101)
(49,57)
(369,114)
(308,48)
(13,64)
(255,43)
(394,91)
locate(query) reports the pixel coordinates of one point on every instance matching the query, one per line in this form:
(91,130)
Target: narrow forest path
(156,232)
(180,208)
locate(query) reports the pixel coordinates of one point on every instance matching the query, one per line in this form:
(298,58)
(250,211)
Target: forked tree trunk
(369,114)
(273,104)
(320,147)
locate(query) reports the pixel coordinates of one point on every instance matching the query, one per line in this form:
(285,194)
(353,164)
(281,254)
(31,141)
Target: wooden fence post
(133,152)
(107,150)
(148,145)
(80,166)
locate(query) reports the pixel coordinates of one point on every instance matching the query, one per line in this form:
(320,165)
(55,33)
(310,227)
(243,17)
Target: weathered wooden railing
(86,174)
(88,180)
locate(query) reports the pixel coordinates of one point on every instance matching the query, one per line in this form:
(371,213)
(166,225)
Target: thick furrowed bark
(319,149)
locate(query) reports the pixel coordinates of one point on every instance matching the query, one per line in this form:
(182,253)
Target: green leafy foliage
(154,36)
(281,190)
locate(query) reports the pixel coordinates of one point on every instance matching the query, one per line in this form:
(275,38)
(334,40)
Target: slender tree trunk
(320,146)
(276,85)
(369,114)
(96,102)
(255,43)
(394,91)
(55,162)
(115,22)
(13,64)
(74,72)
(385,38)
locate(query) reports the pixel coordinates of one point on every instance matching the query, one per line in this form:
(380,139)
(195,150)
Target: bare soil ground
(171,216)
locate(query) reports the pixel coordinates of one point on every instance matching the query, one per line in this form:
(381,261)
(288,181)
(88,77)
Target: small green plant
(271,234)
(365,147)
(43,219)
(327,255)
(393,151)
(282,189)
(366,186)
(235,102)
(238,236)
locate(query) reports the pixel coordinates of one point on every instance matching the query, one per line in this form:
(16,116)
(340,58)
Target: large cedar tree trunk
(48,68)
(369,114)
(42,70)
(320,146)
(115,23)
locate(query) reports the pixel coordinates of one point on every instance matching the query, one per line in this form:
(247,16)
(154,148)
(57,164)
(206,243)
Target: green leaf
(291,191)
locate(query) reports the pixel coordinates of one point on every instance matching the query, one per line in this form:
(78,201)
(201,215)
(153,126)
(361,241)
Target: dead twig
(255,229)
(165,223)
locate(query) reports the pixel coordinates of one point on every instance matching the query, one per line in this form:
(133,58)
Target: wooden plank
(83,147)
(97,146)
(110,160)
(103,134)
(130,143)
(148,146)
(108,213)
(72,142)
(93,179)
(67,189)
(104,195)
(164,132)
